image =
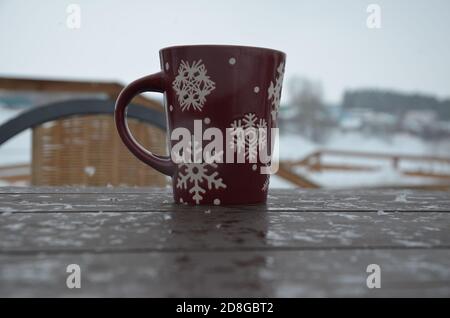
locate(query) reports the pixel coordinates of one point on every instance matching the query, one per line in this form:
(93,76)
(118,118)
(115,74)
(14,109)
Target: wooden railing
(315,162)
(16,173)
(285,172)
(111,89)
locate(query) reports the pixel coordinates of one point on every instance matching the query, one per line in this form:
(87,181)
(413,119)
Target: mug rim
(229,46)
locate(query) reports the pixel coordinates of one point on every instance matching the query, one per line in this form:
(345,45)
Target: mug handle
(150,83)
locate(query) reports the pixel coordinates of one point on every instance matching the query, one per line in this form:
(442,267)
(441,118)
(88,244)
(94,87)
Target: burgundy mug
(219,86)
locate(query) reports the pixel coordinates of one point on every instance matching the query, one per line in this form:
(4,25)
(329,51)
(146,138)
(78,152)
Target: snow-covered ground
(296,147)
(18,150)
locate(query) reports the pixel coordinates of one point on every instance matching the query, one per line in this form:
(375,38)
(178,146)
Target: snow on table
(137,242)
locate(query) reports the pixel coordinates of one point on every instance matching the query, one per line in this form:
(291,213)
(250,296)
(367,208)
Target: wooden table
(137,242)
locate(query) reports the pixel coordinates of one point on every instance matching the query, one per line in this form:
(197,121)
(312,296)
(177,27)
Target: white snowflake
(192,85)
(265,186)
(196,177)
(275,91)
(248,142)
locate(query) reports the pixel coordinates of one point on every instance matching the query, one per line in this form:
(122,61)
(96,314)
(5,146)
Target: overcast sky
(324,40)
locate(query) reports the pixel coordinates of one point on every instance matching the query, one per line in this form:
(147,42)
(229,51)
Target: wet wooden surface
(302,243)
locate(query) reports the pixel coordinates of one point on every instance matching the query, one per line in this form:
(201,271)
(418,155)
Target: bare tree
(311,119)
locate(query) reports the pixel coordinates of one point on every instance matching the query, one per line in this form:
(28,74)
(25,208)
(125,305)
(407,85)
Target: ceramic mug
(218,86)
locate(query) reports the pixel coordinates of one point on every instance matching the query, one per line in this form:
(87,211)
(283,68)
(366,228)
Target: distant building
(418,120)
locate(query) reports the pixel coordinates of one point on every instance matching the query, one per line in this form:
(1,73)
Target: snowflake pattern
(265,186)
(275,91)
(192,85)
(249,125)
(196,177)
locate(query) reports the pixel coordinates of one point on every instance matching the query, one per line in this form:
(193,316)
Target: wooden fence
(315,163)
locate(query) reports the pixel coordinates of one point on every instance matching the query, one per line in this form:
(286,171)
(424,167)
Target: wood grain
(302,243)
